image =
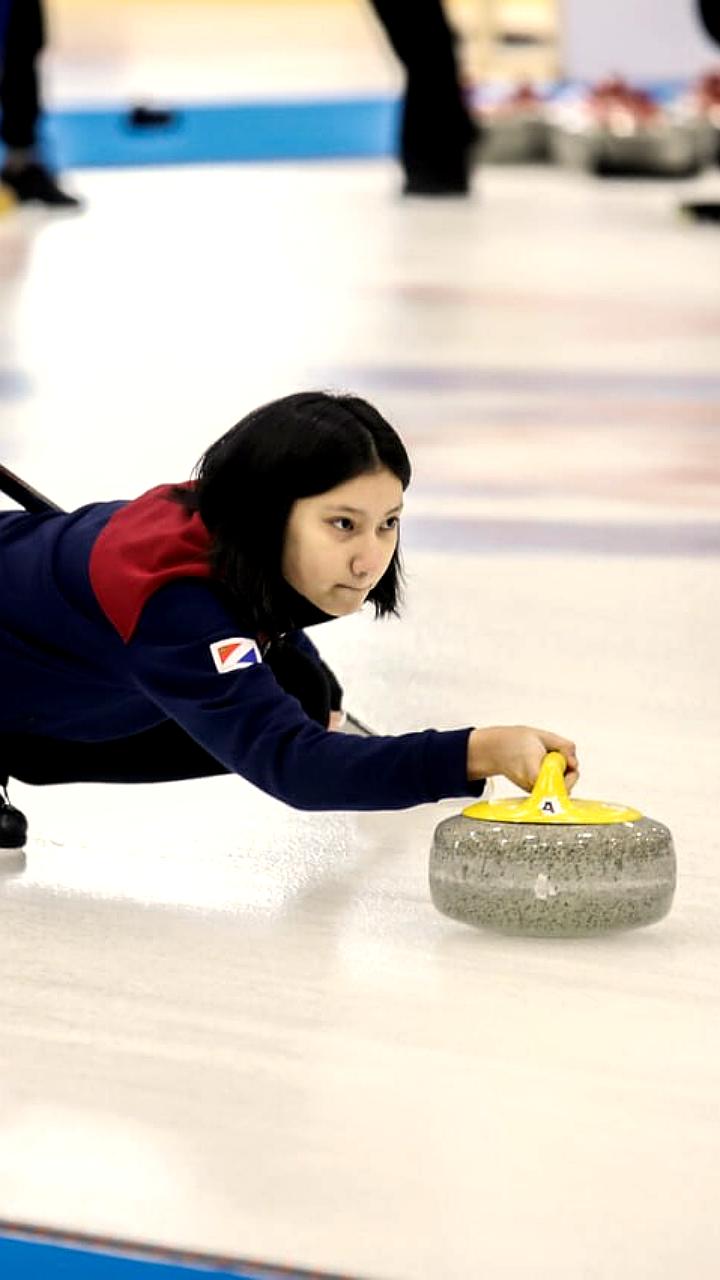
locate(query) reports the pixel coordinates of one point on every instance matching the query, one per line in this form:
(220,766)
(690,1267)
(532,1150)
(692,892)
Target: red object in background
(706,97)
(522,100)
(615,94)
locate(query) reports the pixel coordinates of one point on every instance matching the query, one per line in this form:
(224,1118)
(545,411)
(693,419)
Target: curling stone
(548,866)
(514,128)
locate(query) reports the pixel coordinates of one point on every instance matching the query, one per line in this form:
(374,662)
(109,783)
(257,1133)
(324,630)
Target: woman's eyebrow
(358,511)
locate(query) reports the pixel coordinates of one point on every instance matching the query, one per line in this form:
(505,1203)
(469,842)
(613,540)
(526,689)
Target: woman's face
(338,544)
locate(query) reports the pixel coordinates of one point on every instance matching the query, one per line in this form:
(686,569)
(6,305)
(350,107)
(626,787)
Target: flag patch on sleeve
(235,654)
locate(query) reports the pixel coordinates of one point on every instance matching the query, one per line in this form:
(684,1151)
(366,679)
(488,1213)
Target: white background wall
(644,38)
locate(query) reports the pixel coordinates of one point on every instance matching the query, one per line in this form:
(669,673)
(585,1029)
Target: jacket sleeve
(243,718)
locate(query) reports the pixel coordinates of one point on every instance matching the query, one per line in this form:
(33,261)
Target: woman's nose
(359,567)
(365,561)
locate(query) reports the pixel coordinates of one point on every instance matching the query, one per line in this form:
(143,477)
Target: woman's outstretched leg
(165,753)
(162,754)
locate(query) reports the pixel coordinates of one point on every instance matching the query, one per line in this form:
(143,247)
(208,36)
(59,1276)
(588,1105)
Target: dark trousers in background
(436,129)
(19,92)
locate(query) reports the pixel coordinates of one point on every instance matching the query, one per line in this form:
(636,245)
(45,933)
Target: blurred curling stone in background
(701,105)
(614,128)
(546,865)
(514,125)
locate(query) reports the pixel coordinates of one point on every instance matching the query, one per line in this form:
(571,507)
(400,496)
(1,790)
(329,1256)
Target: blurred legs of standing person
(437,132)
(708,12)
(23,172)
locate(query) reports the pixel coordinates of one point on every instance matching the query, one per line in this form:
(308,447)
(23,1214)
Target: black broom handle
(23,493)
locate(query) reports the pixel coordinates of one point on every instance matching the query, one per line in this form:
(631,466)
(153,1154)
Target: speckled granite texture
(552,881)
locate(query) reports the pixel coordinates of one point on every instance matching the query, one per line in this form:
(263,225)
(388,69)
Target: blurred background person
(438,137)
(24,173)
(710,14)
(706,210)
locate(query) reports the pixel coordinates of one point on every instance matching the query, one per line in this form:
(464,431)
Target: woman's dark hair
(247,482)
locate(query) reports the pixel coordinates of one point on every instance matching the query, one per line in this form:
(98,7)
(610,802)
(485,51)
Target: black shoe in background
(428,184)
(702,210)
(13,825)
(447,172)
(33,183)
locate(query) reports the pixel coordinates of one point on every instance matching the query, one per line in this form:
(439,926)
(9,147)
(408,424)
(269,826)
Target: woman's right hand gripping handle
(517,752)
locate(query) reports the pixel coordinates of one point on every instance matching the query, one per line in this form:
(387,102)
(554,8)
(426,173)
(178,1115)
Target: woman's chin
(344,600)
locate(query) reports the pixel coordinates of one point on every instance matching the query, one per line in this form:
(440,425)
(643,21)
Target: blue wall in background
(362,127)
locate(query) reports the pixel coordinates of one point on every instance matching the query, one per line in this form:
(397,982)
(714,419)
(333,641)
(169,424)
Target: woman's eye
(346,525)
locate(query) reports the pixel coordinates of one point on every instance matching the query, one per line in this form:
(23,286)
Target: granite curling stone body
(549,866)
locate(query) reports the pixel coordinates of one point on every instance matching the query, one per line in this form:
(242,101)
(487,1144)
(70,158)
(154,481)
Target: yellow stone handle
(550,782)
(549,802)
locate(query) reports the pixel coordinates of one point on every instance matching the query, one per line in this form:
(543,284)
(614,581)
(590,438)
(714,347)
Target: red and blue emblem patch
(235,654)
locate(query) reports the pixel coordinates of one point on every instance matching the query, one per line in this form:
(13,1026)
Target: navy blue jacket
(110,623)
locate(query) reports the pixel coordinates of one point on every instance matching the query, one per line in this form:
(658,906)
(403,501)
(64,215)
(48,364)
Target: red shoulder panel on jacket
(144,545)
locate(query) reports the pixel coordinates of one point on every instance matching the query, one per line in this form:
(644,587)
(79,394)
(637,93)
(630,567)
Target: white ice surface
(228,1026)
